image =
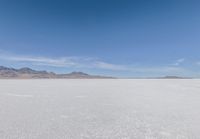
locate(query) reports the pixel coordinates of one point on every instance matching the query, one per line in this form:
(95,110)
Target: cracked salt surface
(99,109)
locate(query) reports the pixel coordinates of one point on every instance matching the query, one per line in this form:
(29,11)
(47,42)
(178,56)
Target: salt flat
(100,109)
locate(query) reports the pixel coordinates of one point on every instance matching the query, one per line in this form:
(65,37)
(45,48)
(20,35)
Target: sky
(122,38)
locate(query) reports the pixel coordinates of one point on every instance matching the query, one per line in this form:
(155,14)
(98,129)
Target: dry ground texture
(100,109)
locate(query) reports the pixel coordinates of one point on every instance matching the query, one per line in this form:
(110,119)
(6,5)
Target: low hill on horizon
(28,73)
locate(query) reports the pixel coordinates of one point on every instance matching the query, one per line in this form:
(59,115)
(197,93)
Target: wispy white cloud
(143,70)
(77,62)
(178,62)
(181,60)
(55,62)
(93,63)
(109,66)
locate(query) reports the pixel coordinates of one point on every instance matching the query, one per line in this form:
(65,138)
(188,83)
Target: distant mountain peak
(28,73)
(26,70)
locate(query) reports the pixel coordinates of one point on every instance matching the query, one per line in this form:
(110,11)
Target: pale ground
(100,109)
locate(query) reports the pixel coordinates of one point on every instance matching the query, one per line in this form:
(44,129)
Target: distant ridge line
(28,73)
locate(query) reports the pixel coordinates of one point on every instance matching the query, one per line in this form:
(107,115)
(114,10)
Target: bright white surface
(99,109)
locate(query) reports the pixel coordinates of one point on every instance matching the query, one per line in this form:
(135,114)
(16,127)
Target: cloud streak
(109,66)
(60,62)
(76,62)
(93,63)
(178,62)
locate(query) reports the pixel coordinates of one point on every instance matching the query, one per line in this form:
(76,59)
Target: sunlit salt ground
(99,109)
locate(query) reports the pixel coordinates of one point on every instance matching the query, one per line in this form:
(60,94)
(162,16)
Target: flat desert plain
(100,109)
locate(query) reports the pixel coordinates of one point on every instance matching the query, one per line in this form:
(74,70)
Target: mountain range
(28,73)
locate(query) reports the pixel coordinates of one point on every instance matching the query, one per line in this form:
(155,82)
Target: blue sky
(124,38)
